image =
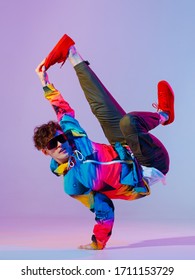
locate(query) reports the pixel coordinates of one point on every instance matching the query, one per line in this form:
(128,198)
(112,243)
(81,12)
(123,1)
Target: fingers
(86,247)
(40,67)
(42,74)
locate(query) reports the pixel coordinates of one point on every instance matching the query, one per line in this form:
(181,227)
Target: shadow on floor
(172,241)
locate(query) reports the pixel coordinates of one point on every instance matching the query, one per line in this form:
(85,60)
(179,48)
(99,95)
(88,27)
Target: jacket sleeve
(60,106)
(103,208)
(65,114)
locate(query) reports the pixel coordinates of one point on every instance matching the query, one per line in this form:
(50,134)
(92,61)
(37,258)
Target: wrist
(44,83)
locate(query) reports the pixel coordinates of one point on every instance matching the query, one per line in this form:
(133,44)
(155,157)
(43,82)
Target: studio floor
(55,239)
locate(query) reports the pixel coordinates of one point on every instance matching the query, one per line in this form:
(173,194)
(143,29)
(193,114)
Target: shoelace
(155,105)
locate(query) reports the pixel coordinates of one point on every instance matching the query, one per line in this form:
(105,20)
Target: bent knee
(128,123)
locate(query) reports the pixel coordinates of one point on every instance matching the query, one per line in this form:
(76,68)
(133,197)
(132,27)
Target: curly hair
(43,133)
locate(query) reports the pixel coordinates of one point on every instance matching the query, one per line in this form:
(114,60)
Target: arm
(61,107)
(103,208)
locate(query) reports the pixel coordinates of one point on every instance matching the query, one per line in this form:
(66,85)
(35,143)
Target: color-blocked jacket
(95,173)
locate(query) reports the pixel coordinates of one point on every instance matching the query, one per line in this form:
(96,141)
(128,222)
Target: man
(96,173)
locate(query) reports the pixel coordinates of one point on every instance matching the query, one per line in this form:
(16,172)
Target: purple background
(131,45)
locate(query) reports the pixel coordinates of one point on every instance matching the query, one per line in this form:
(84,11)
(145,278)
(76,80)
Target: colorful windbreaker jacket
(95,173)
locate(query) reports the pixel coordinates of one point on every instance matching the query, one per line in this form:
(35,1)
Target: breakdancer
(94,173)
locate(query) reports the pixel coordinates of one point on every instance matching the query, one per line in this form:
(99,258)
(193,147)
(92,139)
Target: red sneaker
(166,100)
(59,52)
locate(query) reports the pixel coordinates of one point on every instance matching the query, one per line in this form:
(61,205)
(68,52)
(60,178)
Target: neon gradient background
(131,45)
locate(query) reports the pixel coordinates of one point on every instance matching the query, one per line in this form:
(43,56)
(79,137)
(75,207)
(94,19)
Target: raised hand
(42,74)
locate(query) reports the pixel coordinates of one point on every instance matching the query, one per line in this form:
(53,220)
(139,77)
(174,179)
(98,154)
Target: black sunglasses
(52,144)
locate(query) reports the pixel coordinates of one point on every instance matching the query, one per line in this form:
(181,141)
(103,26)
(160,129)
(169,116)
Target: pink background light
(131,45)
